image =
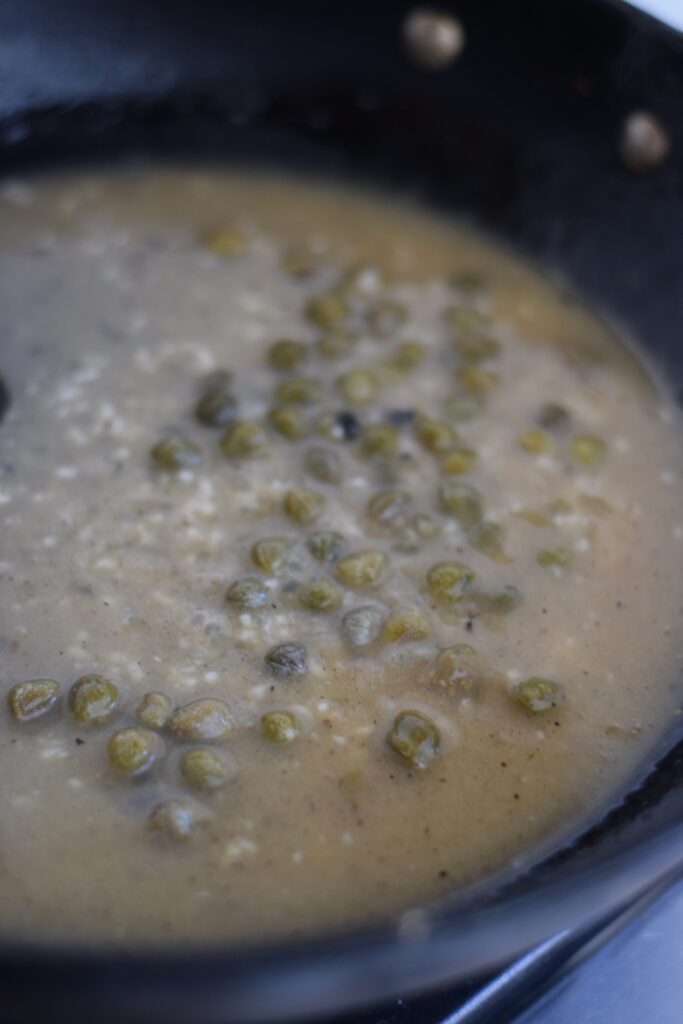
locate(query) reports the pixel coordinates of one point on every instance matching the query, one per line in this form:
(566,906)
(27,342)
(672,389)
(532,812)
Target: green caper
(388,508)
(154,709)
(216,409)
(362,279)
(458,462)
(328,310)
(415,738)
(244,440)
(466,319)
(463,408)
(336,344)
(424,526)
(379,439)
(133,751)
(299,391)
(361,627)
(271,553)
(554,558)
(596,506)
(279,726)
(247,593)
(217,382)
(460,669)
(362,569)
(588,450)
(92,699)
(406,357)
(302,505)
(536,694)
(461,501)
(559,508)
(534,442)
(286,660)
(174,453)
(201,721)
(286,354)
(32,699)
(326,545)
(204,769)
(553,417)
(386,318)
(476,381)
(500,601)
(287,421)
(358,387)
(478,349)
(435,435)
(323,464)
(320,596)
(448,582)
(177,818)
(226,242)
(488,538)
(406,626)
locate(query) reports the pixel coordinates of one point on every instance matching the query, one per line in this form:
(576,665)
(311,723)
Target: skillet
(519,137)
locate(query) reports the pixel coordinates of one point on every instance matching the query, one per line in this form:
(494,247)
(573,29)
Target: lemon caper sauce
(341,560)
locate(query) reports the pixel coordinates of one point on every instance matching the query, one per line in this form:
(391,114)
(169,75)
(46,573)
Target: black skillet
(519,136)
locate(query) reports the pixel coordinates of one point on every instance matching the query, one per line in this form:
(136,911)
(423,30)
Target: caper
(177,818)
(279,726)
(244,440)
(204,769)
(478,349)
(363,279)
(554,558)
(336,344)
(92,699)
(386,318)
(286,660)
(201,721)
(460,669)
(286,354)
(379,439)
(320,596)
(174,453)
(323,464)
(302,505)
(553,417)
(216,409)
(500,601)
(406,357)
(247,593)
(448,582)
(462,408)
(326,545)
(407,626)
(225,242)
(534,441)
(358,387)
(154,709)
(461,501)
(271,553)
(361,627)
(287,421)
(458,462)
(536,694)
(415,738)
(488,538)
(298,391)
(588,450)
(388,508)
(217,382)
(466,319)
(594,505)
(362,569)
(32,699)
(328,309)
(424,526)
(476,381)
(133,751)
(559,508)
(435,435)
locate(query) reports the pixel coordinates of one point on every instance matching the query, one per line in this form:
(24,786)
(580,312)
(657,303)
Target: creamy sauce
(114,308)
